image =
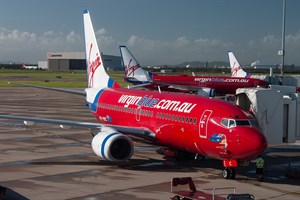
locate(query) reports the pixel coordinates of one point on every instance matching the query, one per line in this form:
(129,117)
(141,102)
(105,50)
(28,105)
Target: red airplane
(237,70)
(180,122)
(204,85)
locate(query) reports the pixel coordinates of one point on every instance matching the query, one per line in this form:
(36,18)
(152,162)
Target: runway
(46,162)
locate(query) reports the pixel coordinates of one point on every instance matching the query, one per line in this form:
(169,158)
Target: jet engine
(112,145)
(209,92)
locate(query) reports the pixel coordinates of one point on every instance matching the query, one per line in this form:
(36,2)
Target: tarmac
(46,162)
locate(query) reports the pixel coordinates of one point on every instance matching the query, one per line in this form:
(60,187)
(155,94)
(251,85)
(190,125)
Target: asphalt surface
(46,162)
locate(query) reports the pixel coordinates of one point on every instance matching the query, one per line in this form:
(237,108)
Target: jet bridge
(277,110)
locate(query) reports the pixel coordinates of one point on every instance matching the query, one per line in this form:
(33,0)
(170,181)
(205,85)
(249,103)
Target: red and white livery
(181,122)
(204,85)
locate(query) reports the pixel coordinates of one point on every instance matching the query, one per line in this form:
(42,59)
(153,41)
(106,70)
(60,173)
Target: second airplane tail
(236,69)
(133,71)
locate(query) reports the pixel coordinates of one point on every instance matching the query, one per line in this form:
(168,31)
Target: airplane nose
(259,142)
(253,143)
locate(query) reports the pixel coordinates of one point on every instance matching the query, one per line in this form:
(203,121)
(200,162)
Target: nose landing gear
(229,173)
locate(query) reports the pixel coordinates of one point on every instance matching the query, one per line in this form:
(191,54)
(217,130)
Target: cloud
(182,42)
(28,46)
(16,35)
(266,48)
(103,38)
(24,46)
(101,31)
(72,37)
(269,39)
(178,50)
(133,40)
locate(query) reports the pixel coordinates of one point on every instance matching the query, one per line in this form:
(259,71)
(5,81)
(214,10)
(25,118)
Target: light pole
(282,51)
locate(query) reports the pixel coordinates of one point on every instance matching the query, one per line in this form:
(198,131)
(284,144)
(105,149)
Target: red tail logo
(131,69)
(92,66)
(235,70)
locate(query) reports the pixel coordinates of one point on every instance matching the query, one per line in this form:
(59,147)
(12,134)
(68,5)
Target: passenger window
(167,116)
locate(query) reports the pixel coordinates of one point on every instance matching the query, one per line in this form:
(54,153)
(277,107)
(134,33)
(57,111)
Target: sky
(157,32)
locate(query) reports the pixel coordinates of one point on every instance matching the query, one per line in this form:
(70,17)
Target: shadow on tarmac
(132,164)
(9,194)
(282,166)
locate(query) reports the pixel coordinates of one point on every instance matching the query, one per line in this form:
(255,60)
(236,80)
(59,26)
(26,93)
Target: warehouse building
(66,61)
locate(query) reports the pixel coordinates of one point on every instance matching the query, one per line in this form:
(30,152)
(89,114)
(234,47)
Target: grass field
(74,79)
(51,79)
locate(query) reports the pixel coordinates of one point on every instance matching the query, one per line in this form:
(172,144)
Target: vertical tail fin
(236,69)
(97,77)
(133,70)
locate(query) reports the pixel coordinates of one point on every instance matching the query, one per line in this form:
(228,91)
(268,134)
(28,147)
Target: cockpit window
(224,122)
(229,123)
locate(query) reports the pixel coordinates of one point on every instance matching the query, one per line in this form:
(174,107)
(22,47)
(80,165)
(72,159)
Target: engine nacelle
(209,92)
(112,145)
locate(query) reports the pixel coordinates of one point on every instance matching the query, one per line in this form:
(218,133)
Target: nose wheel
(228,173)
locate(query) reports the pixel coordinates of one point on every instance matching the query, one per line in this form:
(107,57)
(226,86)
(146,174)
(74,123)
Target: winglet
(97,77)
(236,69)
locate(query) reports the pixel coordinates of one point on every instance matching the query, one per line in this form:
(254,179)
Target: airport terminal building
(67,61)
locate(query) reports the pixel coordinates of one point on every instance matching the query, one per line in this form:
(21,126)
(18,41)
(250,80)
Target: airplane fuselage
(221,84)
(187,122)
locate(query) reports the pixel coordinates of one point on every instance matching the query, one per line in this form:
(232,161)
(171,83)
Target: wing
(139,132)
(78,92)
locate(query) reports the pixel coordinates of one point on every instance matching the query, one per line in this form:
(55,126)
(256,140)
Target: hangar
(66,61)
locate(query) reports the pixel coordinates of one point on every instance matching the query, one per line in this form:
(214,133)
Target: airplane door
(203,123)
(138,114)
